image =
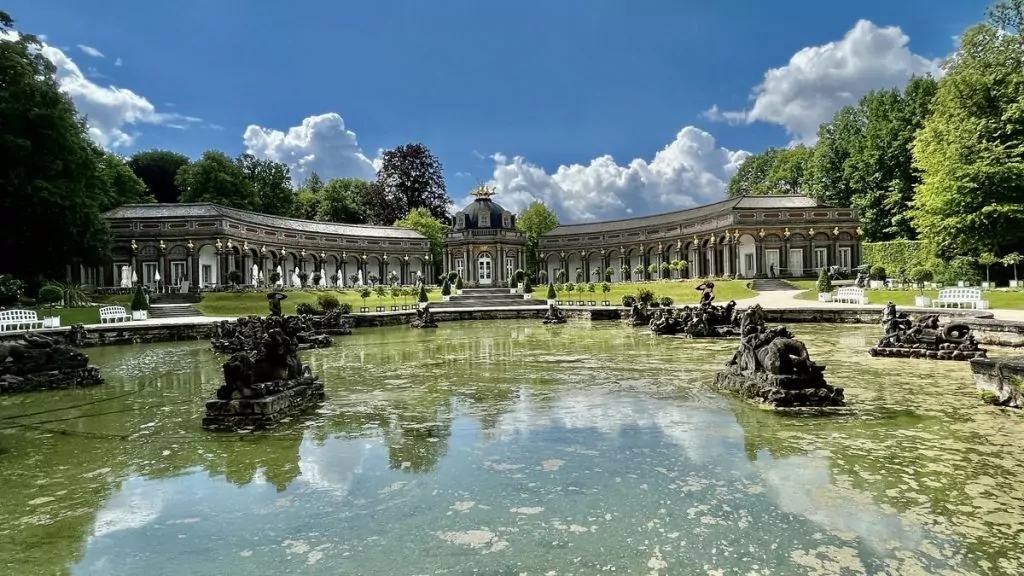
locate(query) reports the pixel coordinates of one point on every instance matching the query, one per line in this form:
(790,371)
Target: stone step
(487,303)
(771,285)
(487,297)
(172,310)
(486,291)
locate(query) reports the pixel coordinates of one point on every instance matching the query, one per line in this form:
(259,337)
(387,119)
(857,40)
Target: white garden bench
(960,296)
(851,294)
(114,314)
(16,320)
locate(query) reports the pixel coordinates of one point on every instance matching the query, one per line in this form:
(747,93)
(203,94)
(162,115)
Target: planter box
(557,302)
(591,303)
(51,322)
(876,284)
(605,303)
(424,304)
(364,310)
(528,296)
(140,314)
(824,296)
(1014,284)
(405,306)
(513,291)
(922,301)
(381,309)
(988,285)
(458,292)
(581,303)
(394,308)
(961,284)
(445,298)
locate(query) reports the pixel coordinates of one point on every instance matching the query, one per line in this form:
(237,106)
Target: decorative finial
(482,192)
(835,231)
(323,255)
(736,235)
(406,257)
(679,244)
(785,233)
(302,253)
(583,253)
(229,244)
(283,252)
(364,255)
(760,233)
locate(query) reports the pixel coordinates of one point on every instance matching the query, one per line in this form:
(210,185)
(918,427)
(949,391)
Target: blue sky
(556,83)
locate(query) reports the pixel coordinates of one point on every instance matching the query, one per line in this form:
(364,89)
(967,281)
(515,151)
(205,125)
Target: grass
(1002,299)
(247,303)
(681,292)
(84,315)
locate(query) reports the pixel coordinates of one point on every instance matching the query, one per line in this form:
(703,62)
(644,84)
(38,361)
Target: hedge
(898,257)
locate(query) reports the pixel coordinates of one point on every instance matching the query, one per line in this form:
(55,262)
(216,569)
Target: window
(485,220)
(460,221)
(506,221)
(748,264)
(149,273)
(207,274)
(177,273)
(460,267)
(510,267)
(845,258)
(820,258)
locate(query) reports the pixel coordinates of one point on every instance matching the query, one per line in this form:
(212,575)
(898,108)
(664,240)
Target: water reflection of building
(273,458)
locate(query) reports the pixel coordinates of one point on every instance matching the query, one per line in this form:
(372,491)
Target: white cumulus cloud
(819,80)
(691,170)
(110,111)
(320,144)
(89,50)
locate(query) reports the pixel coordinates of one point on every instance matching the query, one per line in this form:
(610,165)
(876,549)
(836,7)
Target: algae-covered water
(514,448)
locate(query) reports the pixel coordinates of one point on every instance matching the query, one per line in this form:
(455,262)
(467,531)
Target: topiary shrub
(629,300)
(666,301)
(446,288)
(552,295)
(345,308)
(328,302)
(307,309)
(458,282)
(10,290)
(422,298)
(645,296)
(518,275)
(824,282)
(139,299)
(920,275)
(235,277)
(49,295)
(527,286)
(877,272)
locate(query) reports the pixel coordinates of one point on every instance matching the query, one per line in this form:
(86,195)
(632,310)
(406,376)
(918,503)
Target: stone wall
(126,333)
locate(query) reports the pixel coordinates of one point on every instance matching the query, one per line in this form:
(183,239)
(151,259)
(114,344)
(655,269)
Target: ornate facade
(747,237)
(484,246)
(202,244)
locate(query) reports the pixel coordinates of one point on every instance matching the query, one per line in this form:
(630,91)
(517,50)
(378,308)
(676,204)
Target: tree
(971,150)
(826,173)
(535,221)
(157,169)
(218,179)
(307,197)
(422,221)
(410,177)
(776,171)
(272,183)
(342,201)
(120,185)
(51,185)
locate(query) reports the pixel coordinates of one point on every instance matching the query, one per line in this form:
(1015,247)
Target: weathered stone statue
(554,315)
(772,367)
(640,315)
(704,321)
(36,362)
(265,382)
(926,338)
(247,332)
(274,300)
(424,319)
(707,290)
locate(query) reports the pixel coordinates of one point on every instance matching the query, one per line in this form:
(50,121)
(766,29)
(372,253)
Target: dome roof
(484,213)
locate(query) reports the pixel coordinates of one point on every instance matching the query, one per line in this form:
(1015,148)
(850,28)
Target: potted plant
(527,289)
(303,276)
(666,270)
(140,306)
(446,291)
(316,279)
(373,278)
(406,292)
(987,260)
(364,293)
(666,301)
(919,276)
(274,278)
(422,298)
(596,274)
(334,279)
(234,277)
(590,290)
(542,276)
(876,277)
(624,274)
(381,293)
(682,266)
(353,278)
(605,289)
(560,276)
(608,273)
(579,294)
(638,273)
(569,289)
(552,295)
(1012,259)
(396,293)
(458,285)
(628,301)
(824,286)
(48,296)
(652,271)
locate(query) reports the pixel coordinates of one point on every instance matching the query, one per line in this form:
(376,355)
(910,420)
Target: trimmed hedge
(898,257)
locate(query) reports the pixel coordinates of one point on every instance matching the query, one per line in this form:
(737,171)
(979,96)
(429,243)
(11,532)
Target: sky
(601,109)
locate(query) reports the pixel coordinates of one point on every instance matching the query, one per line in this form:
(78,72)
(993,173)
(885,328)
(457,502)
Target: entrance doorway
(484,277)
(771,262)
(796,262)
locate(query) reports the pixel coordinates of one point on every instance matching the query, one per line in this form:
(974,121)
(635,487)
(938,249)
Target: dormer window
(460,220)
(506,221)
(485,220)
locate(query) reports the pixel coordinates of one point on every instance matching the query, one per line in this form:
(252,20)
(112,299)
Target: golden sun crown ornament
(482,192)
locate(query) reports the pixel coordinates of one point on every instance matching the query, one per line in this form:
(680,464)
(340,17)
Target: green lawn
(1004,299)
(681,292)
(247,303)
(87,315)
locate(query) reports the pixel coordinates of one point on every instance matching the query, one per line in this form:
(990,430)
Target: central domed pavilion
(484,247)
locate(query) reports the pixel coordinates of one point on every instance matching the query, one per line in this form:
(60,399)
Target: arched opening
(395,272)
(209,271)
(747,252)
(484,269)
(595,267)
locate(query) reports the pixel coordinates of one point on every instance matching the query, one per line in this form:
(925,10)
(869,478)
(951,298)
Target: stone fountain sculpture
(640,315)
(239,335)
(704,321)
(554,315)
(772,367)
(265,382)
(424,319)
(926,338)
(36,362)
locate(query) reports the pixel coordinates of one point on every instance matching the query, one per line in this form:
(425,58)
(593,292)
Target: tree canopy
(776,171)
(410,177)
(272,183)
(157,169)
(535,221)
(218,179)
(422,221)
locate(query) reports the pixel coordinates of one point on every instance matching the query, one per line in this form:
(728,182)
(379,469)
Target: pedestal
(295,397)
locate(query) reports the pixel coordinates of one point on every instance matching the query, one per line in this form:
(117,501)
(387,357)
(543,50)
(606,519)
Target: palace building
(205,245)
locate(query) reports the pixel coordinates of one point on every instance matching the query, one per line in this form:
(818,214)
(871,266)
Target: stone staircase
(172,310)
(771,285)
(489,298)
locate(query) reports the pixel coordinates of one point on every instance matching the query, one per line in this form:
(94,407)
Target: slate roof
(667,218)
(482,206)
(204,209)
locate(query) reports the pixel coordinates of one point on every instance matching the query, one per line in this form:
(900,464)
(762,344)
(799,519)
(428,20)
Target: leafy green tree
(410,177)
(826,173)
(535,221)
(307,197)
(776,171)
(272,183)
(51,184)
(971,150)
(218,179)
(157,169)
(120,185)
(342,201)
(422,221)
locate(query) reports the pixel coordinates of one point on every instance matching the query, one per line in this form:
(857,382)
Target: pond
(514,448)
